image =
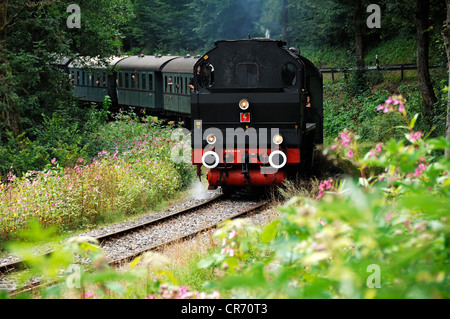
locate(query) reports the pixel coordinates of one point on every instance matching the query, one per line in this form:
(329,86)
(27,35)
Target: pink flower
(379,148)
(417,172)
(388,217)
(322,222)
(333,147)
(80,160)
(88,295)
(232,235)
(380,107)
(54,161)
(401,108)
(415,136)
(320,195)
(389,100)
(345,139)
(350,154)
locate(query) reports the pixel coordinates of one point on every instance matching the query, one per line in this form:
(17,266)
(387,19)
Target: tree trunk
(423,43)
(446,36)
(359,33)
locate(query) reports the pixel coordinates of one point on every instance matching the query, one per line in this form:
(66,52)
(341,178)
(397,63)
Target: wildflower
(350,154)
(54,161)
(389,101)
(345,139)
(379,148)
(414,137)
(88,295)
(80,160)
(333,147)
(320,195)
(401,108)
(232,235)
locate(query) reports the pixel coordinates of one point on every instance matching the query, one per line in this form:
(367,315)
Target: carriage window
(289,74)
(121,80)
(247,75)
(144,81)
(127,80)
(150,82)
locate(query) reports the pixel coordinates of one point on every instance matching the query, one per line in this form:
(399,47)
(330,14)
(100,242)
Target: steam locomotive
(257,113)
(256,108)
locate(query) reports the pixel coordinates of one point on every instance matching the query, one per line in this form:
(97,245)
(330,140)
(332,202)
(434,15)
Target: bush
(138,175)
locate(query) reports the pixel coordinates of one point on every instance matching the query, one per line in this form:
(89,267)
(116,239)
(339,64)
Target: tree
(423,44)
(358,21)
(9,106)
(31,32)
(446,36)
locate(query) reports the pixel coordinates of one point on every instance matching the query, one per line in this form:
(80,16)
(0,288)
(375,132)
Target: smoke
(198,191)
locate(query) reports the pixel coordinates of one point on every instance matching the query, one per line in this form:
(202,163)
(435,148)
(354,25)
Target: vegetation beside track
(134,173)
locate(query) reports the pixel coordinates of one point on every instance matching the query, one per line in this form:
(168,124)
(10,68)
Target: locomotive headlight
(211,139)
(278,139)
(244,104)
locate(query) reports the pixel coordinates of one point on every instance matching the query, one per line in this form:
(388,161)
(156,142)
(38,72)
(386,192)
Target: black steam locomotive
(256,111)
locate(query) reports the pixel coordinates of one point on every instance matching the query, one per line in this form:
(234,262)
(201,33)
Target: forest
(73,166)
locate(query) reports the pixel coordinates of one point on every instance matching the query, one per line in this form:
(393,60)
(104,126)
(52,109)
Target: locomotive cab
(256,113)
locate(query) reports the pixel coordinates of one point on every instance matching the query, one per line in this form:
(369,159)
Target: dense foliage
(136,173)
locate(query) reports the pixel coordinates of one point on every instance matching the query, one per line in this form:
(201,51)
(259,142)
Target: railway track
(124,245)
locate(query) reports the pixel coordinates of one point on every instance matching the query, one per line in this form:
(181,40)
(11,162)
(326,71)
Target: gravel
(175,228)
